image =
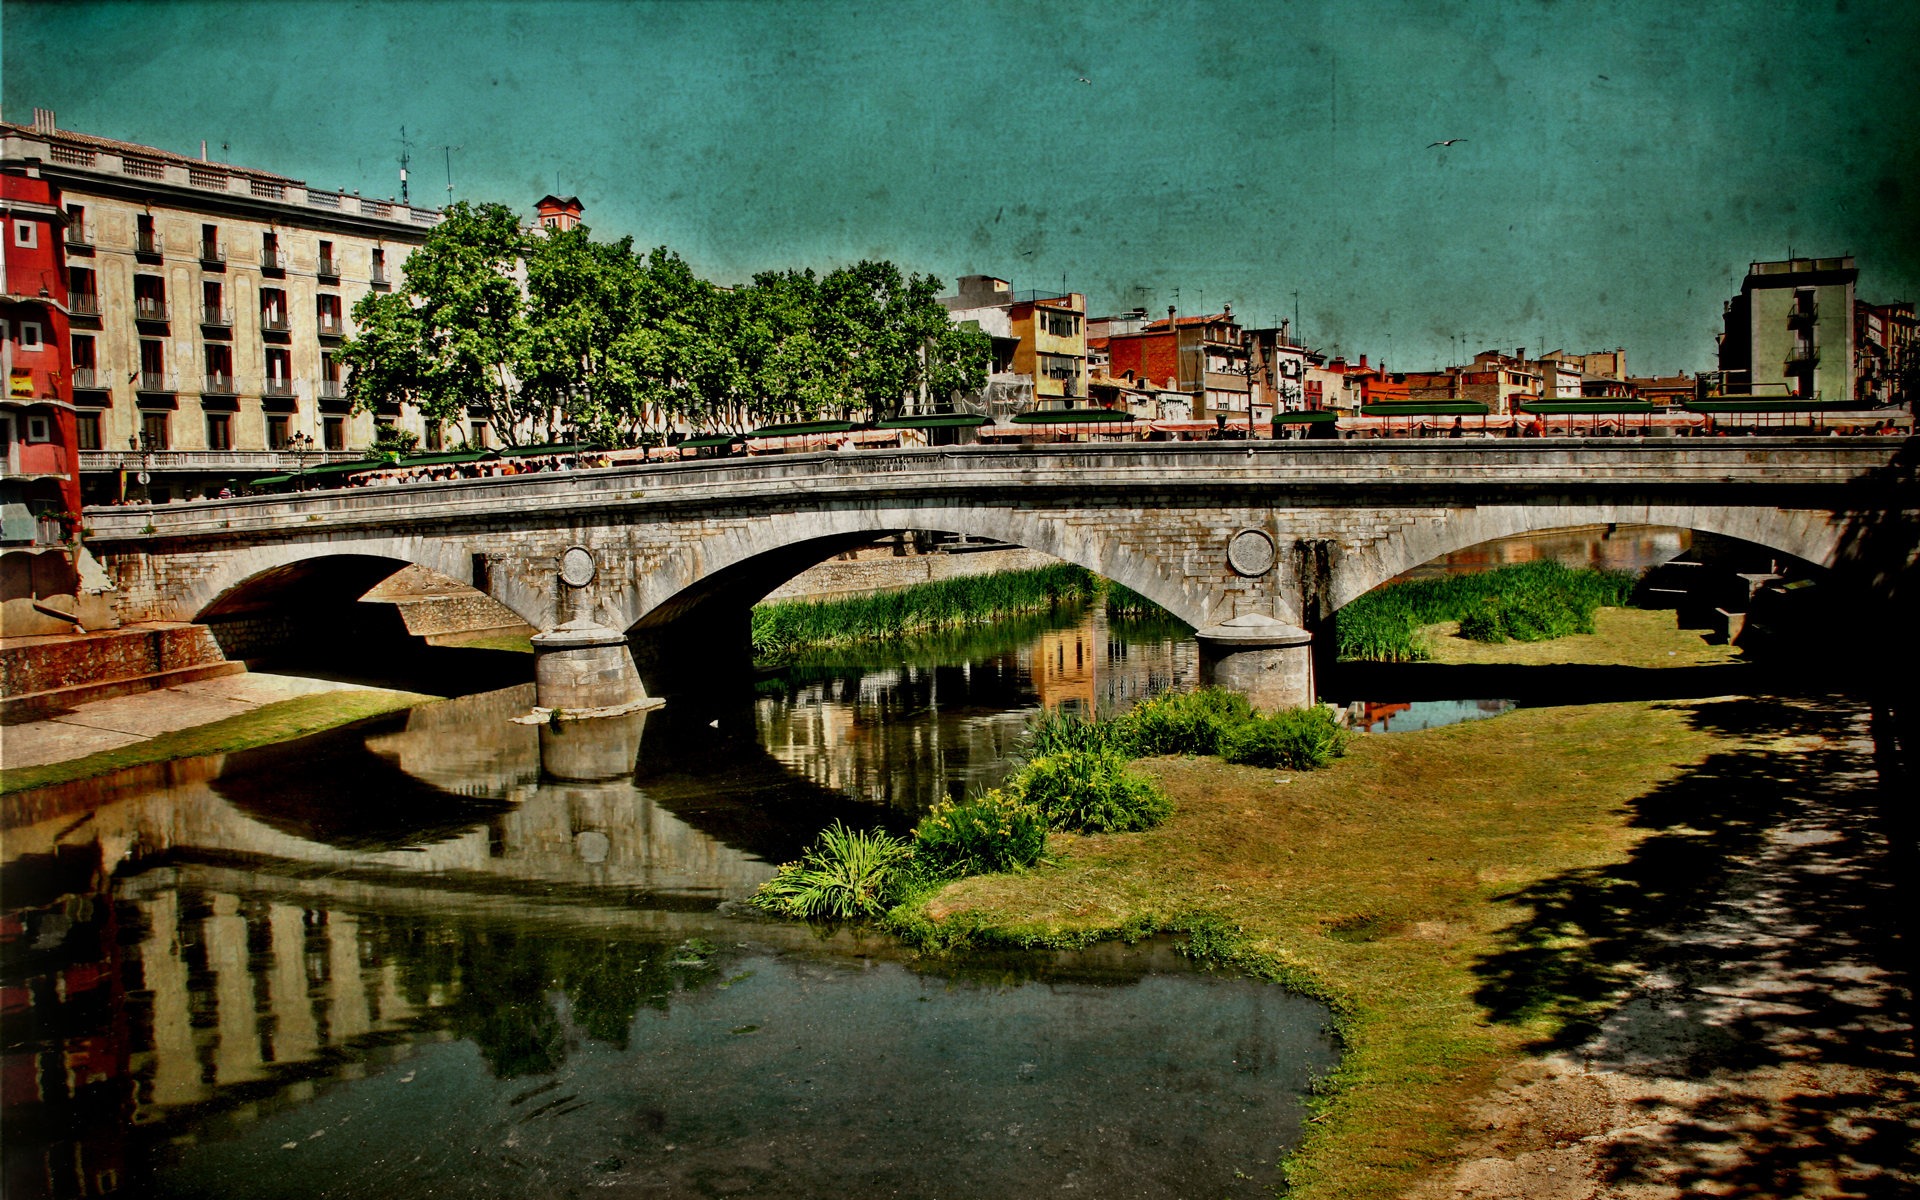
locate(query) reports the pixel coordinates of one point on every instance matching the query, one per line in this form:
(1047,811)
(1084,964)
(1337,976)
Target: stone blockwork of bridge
(677,553)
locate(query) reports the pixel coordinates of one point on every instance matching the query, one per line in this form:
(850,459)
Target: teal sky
(1622,162)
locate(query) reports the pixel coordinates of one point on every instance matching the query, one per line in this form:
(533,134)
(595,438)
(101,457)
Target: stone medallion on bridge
(577,567)
(1250,552)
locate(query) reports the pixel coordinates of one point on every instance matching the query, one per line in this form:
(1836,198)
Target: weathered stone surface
(584,669)
(1269,662)
(669,539)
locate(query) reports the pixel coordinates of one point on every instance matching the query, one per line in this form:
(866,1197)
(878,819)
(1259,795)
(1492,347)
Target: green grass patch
(1090,791)
(1530,602)
(1384,884)
(1299,739)
(994,831)
(784,629)
(276,722)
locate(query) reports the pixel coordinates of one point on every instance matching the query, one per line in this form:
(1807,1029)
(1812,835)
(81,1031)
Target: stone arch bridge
(675,554)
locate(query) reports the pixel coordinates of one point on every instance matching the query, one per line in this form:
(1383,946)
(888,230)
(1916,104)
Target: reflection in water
(1406,717)
(291,964)
(1610,547)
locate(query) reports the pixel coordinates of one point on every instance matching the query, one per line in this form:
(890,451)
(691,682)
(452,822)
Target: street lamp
(301,445)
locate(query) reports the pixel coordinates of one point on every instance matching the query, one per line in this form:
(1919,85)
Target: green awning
(1756,404)
(707,443)
(800,429)
(933,421)
(1438,408)
(1071,416)
(1317,417)
(1550,408)
(524,451)
(271,481)
(441,460)
(371,464)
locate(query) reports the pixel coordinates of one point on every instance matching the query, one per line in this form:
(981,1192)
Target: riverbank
(1480,902)
(783,629)
(214,716)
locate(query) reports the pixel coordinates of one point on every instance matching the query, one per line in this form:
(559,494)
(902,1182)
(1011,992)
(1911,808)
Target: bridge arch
(738,566)
(1813,536)
(255,577)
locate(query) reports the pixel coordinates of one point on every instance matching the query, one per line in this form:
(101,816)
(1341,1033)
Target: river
(443,953)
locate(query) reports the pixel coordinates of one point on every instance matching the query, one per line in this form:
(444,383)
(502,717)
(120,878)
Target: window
(213,304)
(477,435)
(435,439)
(83,298)
(149,298)
(29,335)
(329,265)
(1062,324)
(273,310)
(277,437)
(153,355)
(39,429)
(210,251)
(270,252)
(86,428)
(327,308)
(219,369)
(219,431)
(154,434)
(83,352)
(77,225)
(26,233)
(333,431)
(379,275)
(144,241)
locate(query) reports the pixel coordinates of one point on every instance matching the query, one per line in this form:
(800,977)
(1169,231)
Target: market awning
(1437,408)
(800,429)
(1072,416)
(526,451)
(271,481)
(1550,408)
(1316,417)
(933,421)
(709,442)
(1754,404)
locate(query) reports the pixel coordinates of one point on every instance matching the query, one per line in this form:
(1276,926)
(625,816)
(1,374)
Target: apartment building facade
(1205,357)
(207,306)
(1790,331)
(1039,343)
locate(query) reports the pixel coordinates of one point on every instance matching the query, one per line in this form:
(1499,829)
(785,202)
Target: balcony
(83,304)
(89,379)
(329,268)
(145,242)
(213,254)
(275,322)
(218,385)
(279,388)
(332,327)
(79,235)
(215,316)
(145,308)
(1803,356)
(272,258)
(330,389)
(378,281)
(161,382)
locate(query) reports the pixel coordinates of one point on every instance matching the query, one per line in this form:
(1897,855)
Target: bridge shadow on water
(1759,932)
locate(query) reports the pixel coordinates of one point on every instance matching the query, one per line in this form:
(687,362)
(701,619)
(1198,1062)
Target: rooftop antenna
(406,157)
(448,151)
(1296,315)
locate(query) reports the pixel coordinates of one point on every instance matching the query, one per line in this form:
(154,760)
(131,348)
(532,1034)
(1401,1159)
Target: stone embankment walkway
(124,720)
(1766,1044)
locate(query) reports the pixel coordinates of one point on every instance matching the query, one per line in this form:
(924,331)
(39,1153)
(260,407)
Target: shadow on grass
(1760,924)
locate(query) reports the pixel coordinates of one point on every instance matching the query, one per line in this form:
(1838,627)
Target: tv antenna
(448,151)
(406,156)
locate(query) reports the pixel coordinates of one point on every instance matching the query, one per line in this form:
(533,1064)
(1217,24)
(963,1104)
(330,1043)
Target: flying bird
(1448,142)
(1084,79)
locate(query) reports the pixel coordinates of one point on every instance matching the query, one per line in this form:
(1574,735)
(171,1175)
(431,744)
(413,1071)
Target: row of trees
(555,336)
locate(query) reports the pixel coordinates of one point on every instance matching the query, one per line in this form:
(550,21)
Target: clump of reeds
(784,628)
(1533,601)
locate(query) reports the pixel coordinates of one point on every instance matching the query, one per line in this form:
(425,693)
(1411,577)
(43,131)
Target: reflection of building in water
(911,736)
(1062,662)
(1609,547)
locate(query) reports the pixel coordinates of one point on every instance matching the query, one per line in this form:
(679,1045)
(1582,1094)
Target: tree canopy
(551,335)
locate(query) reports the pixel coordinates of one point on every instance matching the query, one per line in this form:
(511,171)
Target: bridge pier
(1267,661)
(583,669)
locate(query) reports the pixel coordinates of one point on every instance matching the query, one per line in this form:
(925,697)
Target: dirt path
(1765,1047)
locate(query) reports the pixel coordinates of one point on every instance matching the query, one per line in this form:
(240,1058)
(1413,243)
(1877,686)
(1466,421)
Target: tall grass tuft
(1297,739)
(785,628)
(994,831)
(1091,791)
(1532,601)
(1180,722)
(847,874)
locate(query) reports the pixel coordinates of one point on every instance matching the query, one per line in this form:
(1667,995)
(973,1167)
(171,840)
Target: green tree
(447,342)
(888,337)
(583,299)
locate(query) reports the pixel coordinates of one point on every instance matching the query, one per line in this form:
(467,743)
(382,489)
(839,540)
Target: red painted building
(38,439)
